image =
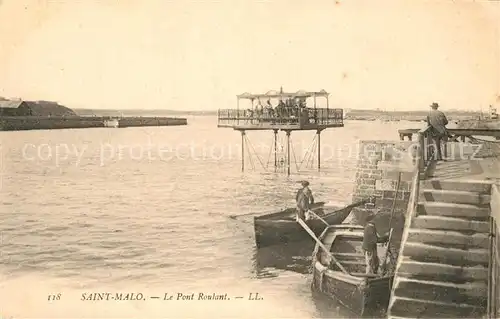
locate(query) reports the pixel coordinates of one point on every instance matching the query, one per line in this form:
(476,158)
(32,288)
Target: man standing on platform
(304,199)
(438,121)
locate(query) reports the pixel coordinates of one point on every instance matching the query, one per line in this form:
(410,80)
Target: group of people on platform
(290,108)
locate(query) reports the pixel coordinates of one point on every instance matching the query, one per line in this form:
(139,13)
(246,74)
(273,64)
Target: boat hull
(362,296)
(269,231)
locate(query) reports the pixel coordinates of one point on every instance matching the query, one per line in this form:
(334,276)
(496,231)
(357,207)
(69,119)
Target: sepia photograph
(249,159)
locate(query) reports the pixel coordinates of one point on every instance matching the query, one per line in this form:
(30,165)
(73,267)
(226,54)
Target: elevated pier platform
(295,120)
(290,114)
(449,262)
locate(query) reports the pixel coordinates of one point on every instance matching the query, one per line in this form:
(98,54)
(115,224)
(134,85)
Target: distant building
(47,108)
(13,108)
(33,108)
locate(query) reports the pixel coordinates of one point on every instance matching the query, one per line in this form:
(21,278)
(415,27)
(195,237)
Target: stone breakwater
(19,123)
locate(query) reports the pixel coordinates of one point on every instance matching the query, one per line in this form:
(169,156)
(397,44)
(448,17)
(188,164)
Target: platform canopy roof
(280,94)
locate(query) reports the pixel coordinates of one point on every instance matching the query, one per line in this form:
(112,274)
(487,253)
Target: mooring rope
(307,152)
(313,153)
(270,152)
(249,152)
(293,153)
(257,155)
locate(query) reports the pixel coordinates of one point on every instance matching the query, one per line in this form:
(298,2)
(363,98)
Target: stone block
(402,195)
(368,166)
(407,176)
(356,198)
(405,186)
(362,174)
(378,193)
(364,192)
(363,186)
(373,160)
(385,184)
(390,175)
(390,195)
(386,156)
(399,166)
(367,181)
(370,147)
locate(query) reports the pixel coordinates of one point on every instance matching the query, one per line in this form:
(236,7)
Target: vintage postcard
(249,159)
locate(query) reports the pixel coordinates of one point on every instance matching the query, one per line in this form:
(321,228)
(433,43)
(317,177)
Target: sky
(198,55)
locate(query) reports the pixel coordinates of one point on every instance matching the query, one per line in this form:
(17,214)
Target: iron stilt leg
(242,151)
(275,150)
(319,149)
(288,152)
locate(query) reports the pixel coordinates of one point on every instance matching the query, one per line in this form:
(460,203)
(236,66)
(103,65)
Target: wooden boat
(362,294)
(281,227)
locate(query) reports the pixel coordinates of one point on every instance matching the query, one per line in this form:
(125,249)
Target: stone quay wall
(378,166)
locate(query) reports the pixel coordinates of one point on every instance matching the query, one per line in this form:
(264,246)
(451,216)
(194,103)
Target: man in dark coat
(438,121)
(370,240)
(304,199)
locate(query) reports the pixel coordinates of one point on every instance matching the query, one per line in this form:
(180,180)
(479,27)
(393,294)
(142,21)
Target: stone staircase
(443,268)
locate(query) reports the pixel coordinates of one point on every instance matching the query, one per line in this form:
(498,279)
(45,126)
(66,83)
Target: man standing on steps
(304,199)
(438,121)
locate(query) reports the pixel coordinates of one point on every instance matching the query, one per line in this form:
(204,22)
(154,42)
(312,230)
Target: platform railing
(494,274)
(493,305)
(426,150)
(318,116)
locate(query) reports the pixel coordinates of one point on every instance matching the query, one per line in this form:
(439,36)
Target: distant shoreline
(367,115)
(138,112)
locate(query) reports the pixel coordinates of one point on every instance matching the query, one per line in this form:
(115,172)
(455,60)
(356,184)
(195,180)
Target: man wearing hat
(304,199)
(438,121)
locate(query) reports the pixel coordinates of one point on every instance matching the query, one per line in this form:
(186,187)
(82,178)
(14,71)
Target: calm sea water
(147,210)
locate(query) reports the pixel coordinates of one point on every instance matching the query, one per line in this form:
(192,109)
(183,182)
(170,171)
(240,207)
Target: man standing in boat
(370,240)
(304,199)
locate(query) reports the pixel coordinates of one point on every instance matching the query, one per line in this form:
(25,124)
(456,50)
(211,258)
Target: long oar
(235,216)
(311,233)
(394,201)
(387,252)
(316,215)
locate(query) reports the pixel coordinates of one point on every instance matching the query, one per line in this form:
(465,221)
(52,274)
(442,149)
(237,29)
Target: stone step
(446,255)
(471,293)
(468,186)
(454,196)
(450,223)
(414,308)
(448,237)
(418,269)
(452,210)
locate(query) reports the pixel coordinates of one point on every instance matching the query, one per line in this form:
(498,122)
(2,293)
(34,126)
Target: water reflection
(326,306)
(294,256)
